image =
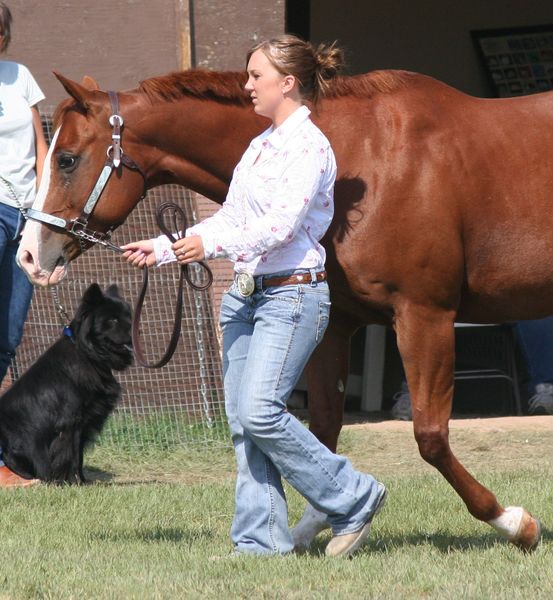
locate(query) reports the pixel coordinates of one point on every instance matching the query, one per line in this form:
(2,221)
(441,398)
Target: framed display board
(518,60)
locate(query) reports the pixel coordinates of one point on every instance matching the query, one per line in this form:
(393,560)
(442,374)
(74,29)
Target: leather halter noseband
(115,158)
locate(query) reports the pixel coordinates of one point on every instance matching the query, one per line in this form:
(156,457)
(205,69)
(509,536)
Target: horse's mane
(228,86)
(222,86)
(370,84)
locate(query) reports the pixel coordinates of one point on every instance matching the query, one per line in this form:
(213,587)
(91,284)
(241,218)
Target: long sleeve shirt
(279,204)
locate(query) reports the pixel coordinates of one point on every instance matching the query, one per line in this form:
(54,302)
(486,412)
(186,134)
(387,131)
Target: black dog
(61,403)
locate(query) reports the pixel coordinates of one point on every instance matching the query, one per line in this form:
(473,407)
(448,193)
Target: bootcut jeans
(267,340)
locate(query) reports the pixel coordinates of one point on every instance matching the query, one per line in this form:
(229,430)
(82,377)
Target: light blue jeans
(267,340)
(15,289)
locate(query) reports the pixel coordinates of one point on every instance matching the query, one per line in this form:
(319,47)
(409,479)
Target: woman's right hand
(140,254)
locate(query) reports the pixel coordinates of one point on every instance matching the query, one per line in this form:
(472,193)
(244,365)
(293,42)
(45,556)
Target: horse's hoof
(529,533)
(519,527)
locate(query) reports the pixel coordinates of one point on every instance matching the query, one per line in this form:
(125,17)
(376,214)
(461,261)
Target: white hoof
(519,527)
(309,526)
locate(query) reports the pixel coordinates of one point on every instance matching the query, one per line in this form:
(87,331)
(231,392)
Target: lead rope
(22,210)
(172,222)
(62,313)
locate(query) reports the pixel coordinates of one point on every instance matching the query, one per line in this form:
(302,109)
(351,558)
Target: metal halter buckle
(246,284)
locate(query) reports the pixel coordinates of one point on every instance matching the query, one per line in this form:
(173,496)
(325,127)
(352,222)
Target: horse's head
(88,186)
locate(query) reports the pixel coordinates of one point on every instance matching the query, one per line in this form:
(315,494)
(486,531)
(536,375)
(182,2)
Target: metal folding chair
(489,353)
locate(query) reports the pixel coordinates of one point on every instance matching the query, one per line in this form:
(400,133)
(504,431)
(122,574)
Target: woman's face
(264,85)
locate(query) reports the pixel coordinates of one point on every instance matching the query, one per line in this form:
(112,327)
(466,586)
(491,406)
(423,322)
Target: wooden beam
(183,28)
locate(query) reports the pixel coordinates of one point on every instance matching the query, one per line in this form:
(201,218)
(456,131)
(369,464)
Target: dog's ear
(92,298)
(113,291)
(93,295)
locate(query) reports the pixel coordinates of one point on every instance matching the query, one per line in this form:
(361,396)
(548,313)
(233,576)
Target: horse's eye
(66,162)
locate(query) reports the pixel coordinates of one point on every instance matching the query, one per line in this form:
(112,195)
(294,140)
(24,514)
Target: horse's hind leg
(427,347)
(327,373)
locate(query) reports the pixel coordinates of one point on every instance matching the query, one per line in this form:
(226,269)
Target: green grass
(158,431)
(156,526)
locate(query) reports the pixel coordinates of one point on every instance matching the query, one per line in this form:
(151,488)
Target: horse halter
(115,158)
(170,218)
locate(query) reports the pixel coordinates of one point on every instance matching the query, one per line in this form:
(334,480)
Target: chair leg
(514,371)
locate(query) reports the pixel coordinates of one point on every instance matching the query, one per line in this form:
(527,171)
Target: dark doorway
(298,17)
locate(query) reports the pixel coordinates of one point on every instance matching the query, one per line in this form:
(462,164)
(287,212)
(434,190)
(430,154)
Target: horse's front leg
(327,373)
(426,342)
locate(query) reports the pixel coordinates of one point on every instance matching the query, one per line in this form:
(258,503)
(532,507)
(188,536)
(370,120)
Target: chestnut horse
(442,204)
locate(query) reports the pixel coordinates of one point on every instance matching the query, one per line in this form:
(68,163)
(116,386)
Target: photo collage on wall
(518,60)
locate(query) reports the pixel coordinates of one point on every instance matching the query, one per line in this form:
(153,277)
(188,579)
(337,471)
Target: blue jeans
(536,341)
(15,289)
(267,340)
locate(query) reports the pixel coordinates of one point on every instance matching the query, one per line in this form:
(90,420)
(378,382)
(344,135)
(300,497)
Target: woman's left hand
(189,249)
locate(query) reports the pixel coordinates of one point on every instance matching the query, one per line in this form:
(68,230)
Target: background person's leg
(536,341)
(15,289)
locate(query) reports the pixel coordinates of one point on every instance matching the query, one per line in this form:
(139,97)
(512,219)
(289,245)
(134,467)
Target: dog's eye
(113,322)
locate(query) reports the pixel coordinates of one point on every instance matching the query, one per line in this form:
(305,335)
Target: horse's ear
(89,83)
(82,94)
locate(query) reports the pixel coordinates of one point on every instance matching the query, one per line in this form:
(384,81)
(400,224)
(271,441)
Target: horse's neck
(197,143)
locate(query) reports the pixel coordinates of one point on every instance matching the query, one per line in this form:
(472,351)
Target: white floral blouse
(279,204)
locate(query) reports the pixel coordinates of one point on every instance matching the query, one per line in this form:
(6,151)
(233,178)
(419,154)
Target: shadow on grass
(95,475)
(107,479)
(443,542)
(174,535)
(98,476)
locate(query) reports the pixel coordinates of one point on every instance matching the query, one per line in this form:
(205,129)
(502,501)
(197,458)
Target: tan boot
(10,479)
(348,543)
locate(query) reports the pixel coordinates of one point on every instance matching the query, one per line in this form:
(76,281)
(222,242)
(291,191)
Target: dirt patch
(526,423)
(387,448)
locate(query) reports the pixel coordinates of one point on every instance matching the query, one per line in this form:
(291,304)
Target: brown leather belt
(247,284)
(292,279)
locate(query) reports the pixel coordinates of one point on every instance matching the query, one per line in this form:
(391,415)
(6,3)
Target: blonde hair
(313,68)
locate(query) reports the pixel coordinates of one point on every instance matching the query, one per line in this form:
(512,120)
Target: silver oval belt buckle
(245,283)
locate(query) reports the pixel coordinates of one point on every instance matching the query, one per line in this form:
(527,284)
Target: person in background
(22,152)
(279,205)
(535,338)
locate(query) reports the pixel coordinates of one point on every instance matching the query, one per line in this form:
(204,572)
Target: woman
(22,153)
(279,205)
